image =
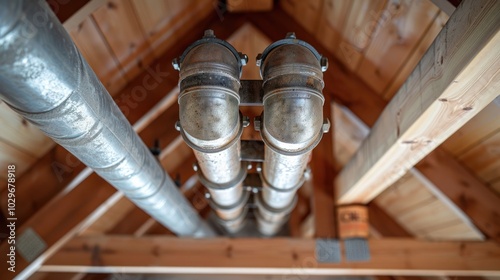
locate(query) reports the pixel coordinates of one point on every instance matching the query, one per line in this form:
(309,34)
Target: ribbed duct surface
(46,80)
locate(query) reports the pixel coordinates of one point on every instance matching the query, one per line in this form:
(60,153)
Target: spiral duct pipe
(45,79)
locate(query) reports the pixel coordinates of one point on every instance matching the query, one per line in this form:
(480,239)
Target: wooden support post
(456,78)
(322,166)
(352,221)
(280,256)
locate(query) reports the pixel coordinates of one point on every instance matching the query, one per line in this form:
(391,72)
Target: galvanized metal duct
(291,124)
(46,80)
(211,124)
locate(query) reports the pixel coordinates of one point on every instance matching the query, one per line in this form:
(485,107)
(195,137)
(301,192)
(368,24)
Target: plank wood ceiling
(380,41)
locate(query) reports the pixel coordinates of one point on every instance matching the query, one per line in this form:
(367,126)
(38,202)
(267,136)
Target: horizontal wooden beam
(282,256)
(456,78)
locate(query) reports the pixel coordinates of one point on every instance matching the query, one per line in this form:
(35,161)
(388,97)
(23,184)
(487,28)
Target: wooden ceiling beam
(281,256)
(349,90)
(456,78)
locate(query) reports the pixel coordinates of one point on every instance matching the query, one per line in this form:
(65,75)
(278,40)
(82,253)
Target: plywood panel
(416,55)
(402,26)
(118,23)
(99,56)
(484,124)
(22,135)
(484,158)
(360,25)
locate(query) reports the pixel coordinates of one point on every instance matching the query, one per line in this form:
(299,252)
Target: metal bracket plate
(252,150)
(357,249)
(328,251)
(251,93)
(30,245)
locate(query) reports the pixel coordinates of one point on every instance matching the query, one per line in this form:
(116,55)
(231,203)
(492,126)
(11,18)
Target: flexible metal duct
(291,124)
(211,124)
(45,79)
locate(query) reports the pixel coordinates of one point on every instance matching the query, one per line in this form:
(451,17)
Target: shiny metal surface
(46,80)
(291,125)
(210,121)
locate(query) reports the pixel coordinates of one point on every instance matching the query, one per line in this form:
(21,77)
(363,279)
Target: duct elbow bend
(209,99)
(293,99)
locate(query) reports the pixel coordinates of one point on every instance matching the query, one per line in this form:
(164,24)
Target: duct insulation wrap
(211,124)
(291,125)
(45,79)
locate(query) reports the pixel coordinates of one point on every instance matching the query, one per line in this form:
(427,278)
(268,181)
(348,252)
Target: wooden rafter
(157,254)
(456,78)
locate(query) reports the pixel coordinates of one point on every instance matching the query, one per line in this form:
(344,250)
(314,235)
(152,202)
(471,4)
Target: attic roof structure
(411,91)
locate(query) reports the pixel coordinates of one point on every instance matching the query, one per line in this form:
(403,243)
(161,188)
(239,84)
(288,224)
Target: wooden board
(118,23)
(249,5)
(166,21)
(361,23)
(463,189)
(453,82)
(477,130)
(416,55)
(331,22)
(99,55)
(250,41)
(400,28)
(280,256)
(484,158)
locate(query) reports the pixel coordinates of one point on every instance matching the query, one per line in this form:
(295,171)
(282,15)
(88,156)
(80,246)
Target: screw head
(176,64)
(209,33)
(291,35)
(324,63)
(326,125)
(243,59)
(258,59)
(256,123)
(177,125)
(246,121)
(195,166)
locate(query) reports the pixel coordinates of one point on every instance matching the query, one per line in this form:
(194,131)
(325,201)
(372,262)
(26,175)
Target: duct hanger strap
(240,203)
(243,123)
(266,184)
(217,187)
